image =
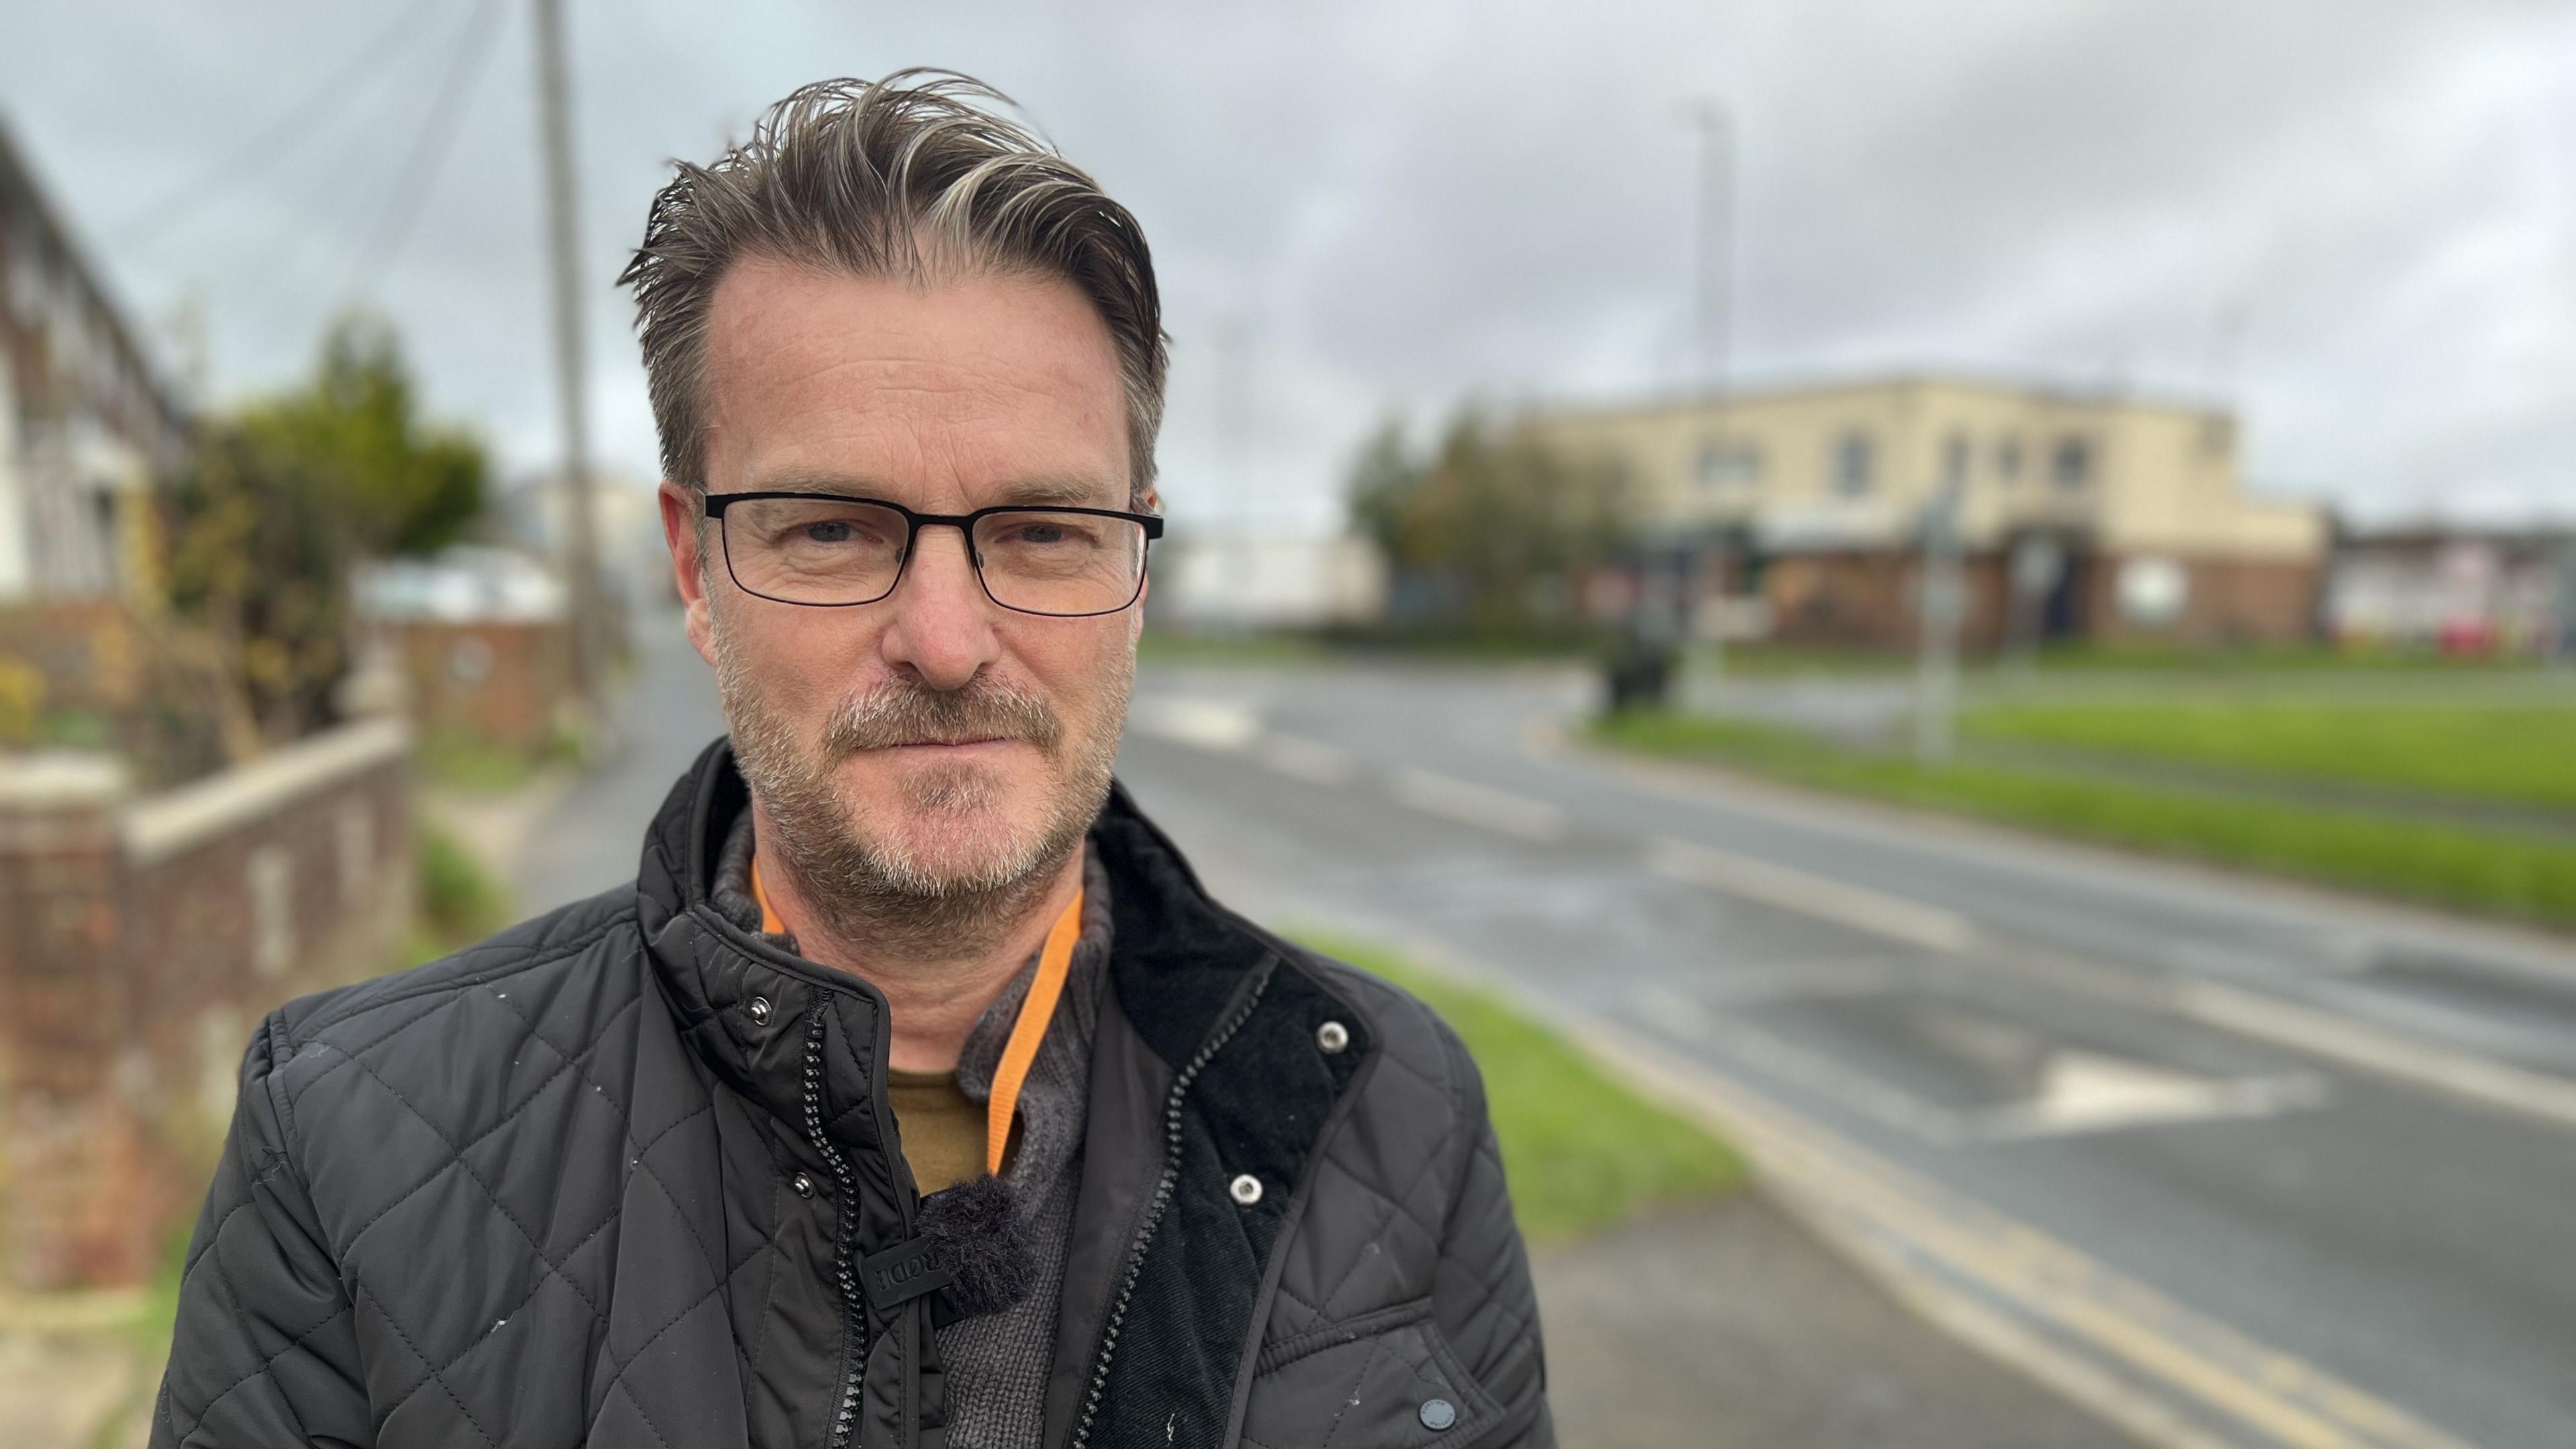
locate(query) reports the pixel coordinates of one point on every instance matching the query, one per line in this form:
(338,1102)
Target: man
(915,1093)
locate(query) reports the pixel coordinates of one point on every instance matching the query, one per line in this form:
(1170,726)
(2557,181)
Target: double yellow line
(2169,1375)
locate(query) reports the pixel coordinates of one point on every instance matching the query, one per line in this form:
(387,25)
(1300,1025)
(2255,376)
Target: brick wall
(2227,601)
(1868,599)
(497,682)
(147,936)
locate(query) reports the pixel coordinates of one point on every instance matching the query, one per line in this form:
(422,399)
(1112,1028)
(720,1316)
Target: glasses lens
(1046,562)
(814,550)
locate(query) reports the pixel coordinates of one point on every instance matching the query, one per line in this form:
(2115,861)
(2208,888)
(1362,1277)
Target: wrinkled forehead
(958,393)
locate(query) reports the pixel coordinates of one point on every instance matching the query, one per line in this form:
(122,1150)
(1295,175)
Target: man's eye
(828,532)
(1042,533)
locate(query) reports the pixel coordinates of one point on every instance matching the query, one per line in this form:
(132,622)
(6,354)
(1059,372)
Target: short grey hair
(917,176)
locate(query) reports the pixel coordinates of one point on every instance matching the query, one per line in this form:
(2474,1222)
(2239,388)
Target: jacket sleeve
(266,1348)
(1482,1295)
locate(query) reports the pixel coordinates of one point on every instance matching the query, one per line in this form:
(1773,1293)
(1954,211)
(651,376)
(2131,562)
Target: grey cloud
(1413,203)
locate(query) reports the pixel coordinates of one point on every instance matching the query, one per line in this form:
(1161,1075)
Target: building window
(1855,460)
(2008,459)
(2071,466)
(1954,461)
(1723,465)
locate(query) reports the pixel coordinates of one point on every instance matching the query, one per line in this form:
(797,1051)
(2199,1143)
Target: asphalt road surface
(2228,1162)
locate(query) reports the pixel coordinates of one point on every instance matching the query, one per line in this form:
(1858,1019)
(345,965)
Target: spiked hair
(917,176)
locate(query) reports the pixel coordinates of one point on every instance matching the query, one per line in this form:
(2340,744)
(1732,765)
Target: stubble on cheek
(939,841)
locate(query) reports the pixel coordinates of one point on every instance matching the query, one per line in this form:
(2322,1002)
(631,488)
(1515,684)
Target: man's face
(932,745)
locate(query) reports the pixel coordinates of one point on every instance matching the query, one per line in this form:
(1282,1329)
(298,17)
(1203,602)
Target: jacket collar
(1178,962)
(805,1042)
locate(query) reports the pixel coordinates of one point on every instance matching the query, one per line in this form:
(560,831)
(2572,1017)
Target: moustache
(903,713)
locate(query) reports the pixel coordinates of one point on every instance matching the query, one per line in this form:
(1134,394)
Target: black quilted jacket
(625,1175)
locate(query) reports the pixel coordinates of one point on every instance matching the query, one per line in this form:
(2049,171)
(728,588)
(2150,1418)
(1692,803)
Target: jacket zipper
(854,1322)
(1155,1206)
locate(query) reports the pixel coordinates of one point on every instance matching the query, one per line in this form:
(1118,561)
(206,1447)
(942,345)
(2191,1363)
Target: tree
(283,498)
(1492,527)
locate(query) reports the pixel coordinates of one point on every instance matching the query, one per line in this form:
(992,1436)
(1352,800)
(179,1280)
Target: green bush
(458,903)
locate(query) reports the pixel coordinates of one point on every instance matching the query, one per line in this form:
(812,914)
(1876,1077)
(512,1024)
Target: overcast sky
(2356,219)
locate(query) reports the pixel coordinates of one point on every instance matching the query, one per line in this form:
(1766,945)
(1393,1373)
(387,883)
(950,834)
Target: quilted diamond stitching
(1352,1395)
(207,1251)
(769,1295)
(650,1427)
(264,1365)
(1395,1206)
(511,1312)
(618,1376)
(449,1389)
(456,1152)
(455,1155)
(626,1120)
(295,1098)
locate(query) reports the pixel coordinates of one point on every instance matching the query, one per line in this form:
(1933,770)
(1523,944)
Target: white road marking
(1209,724)
(1312,761)
(1980,1261)
(2089,1092)
(2079,1091)
(1479,805)
(2173,1377)
(2246,1013)
(2358,1044)
(1931,927)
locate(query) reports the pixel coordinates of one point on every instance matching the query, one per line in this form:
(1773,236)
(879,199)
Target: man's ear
(1152,503)
(686,531)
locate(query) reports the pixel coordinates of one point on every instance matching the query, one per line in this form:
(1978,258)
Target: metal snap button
(1438,1414)
(760,1011)
(803,1184)
(1246,1189)
(1332,1036)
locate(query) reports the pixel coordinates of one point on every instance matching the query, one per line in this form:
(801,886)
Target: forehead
(953,391)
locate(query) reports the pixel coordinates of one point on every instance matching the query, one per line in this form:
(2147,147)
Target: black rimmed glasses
(831,551)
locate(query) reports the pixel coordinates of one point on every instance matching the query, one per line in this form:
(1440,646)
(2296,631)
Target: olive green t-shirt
(942,1128)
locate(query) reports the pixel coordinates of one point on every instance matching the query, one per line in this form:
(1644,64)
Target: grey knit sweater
(997,1364)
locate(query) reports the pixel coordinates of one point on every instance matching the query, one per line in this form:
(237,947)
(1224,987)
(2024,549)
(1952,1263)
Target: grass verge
(2523,754)
(1582,1151)
(2526,877)
(472,766)
(457,902)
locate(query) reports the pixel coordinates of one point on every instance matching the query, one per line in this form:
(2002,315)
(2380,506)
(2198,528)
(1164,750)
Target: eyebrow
(1068,492)
(1071,492)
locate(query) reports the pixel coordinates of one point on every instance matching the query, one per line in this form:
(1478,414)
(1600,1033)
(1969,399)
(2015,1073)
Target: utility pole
(563,237)
(1712,315)
(1936,672)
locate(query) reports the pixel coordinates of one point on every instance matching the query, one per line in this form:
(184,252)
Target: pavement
(2222,1162)
(1729,1326)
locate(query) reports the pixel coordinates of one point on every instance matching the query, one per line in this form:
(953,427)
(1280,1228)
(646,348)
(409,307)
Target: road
(2231,1163)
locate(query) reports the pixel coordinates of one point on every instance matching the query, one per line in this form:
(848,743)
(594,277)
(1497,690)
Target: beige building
(2081,515)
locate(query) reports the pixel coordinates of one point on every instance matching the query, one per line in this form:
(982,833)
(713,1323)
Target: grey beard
(868,894)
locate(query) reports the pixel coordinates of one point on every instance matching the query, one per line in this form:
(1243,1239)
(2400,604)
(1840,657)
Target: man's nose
(943,623)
